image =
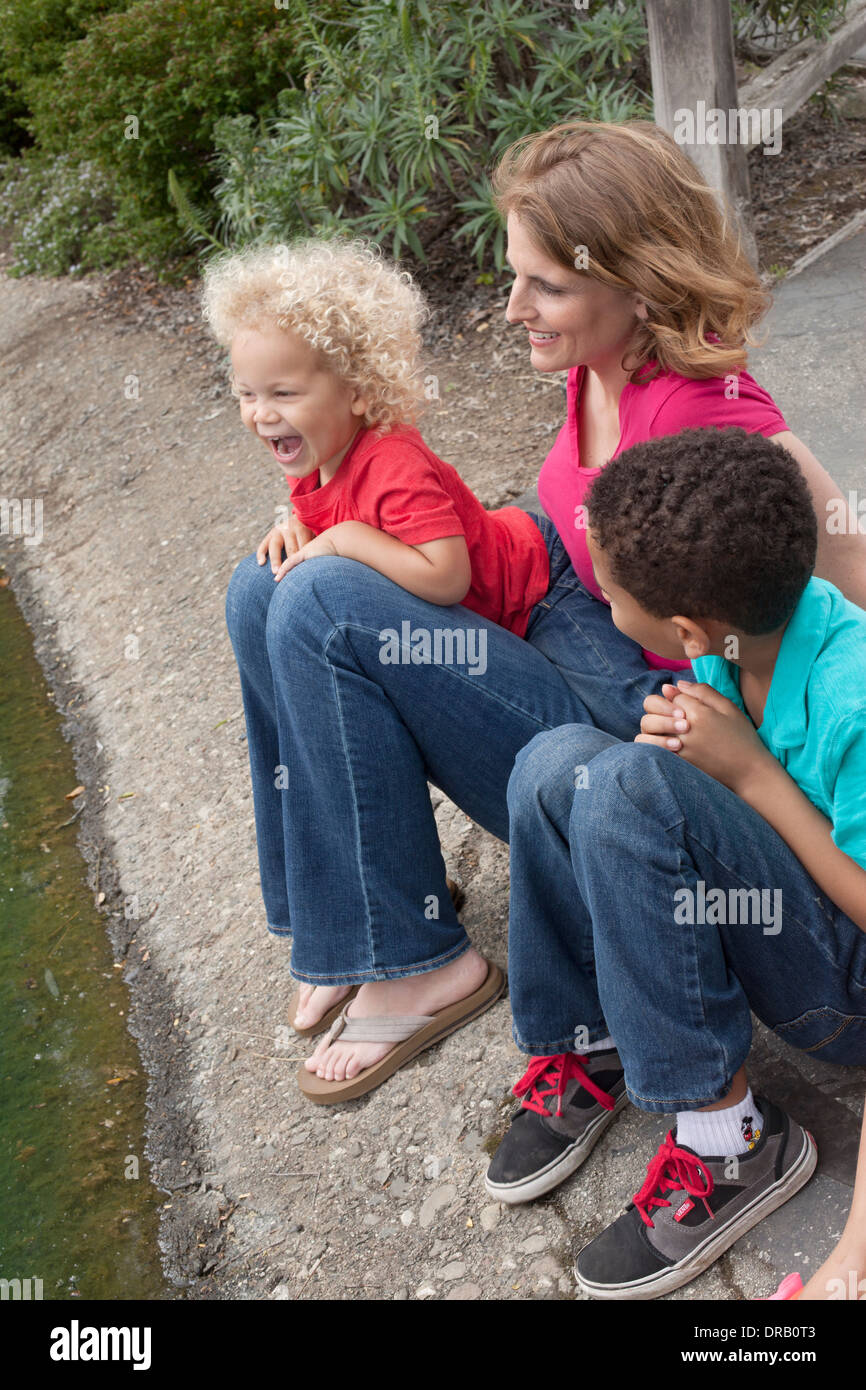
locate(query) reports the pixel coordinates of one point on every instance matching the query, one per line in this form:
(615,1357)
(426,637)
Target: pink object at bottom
(789,1288)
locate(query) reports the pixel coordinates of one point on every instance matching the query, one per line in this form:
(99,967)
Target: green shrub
(34,35)
(404,107)
(140,94)
(60,212)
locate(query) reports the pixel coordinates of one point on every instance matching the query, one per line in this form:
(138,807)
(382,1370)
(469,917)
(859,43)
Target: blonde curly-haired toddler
(325,340)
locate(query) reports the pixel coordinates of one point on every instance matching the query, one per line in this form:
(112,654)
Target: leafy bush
(140,93)
(402,108)
(34,35)
(779,23)
(156,122)
(60,210)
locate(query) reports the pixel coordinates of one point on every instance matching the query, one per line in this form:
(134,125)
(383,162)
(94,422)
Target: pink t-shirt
(667,404)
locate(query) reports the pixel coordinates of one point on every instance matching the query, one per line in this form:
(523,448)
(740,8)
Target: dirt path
(151,494)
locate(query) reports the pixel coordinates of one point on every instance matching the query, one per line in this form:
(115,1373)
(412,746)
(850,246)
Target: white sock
(721,1132)
(603,1045)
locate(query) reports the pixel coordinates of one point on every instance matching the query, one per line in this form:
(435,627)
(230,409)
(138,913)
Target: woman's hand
(290,536)
(712,733)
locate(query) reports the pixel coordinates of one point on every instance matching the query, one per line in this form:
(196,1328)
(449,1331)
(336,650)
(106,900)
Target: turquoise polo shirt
(815,716)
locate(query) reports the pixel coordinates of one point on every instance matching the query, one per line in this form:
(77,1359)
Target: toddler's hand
(288,537)
(319,545)
(664,719)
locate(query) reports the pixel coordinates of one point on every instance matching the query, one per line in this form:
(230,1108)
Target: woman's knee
(248,595)
(314,598)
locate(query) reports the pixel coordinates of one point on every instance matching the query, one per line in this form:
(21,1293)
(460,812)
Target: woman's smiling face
(580,320)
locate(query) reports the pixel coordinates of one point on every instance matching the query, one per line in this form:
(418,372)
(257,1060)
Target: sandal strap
(378,1029)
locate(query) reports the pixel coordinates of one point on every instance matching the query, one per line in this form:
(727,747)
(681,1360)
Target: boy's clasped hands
(707,730)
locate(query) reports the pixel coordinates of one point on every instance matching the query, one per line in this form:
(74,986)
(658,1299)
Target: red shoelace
(673,1169)
(559,1070)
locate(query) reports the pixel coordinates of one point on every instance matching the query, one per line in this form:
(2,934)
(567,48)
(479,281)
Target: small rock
(463,1291)
(269,1151)
(401,1295)
(456,1270)
(407,1217)
(547,1265)
(534,1245)
(490,1216)
(281,1292)
(399,1187)
(435,1166)
(442,1197)
(425,1291)
(353,1149)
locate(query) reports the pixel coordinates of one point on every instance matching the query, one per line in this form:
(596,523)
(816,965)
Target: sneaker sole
(709,1251)
(545,1179)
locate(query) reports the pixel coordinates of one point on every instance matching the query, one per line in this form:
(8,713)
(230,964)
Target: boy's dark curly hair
(708,523)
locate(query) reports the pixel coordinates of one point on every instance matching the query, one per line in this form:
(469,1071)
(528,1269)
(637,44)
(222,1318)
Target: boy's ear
(359,404)
(640,308)
(695,639)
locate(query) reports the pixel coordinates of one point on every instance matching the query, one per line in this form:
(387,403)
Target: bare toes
(353,1066)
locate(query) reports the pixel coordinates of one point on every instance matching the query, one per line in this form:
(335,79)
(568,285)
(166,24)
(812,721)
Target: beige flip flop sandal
(314,1029)
(413,1034)
(458,897)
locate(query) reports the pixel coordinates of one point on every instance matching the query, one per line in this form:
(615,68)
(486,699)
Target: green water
(77,1209)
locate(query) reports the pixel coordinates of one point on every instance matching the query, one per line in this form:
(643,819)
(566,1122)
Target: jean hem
(670,1107)
(279,931)
(362,977)
(556,1048)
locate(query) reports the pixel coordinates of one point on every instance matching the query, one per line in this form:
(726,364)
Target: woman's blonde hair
(352,306)
(625,205)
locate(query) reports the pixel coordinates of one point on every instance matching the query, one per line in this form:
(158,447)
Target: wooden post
(691,45)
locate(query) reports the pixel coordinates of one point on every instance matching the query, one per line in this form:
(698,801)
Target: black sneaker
(691,1209)
(568,1102)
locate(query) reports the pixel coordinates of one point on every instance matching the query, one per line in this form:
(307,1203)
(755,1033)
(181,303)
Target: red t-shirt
(395,483)
(667,404)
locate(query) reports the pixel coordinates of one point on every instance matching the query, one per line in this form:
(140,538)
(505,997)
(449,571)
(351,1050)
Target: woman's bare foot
(414,994)
(314,1001)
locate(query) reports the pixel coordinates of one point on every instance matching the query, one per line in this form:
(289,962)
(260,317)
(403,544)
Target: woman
(627,274)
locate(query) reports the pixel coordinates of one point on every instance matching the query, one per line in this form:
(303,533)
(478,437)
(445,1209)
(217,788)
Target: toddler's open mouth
(286,447)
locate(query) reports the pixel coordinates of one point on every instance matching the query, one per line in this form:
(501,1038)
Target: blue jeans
(342,743)
(614,847)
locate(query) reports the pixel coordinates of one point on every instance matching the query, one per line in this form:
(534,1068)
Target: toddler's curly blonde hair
(354,307)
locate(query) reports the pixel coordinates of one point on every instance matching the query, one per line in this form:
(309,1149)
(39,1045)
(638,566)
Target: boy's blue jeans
(342,744)
(614,847)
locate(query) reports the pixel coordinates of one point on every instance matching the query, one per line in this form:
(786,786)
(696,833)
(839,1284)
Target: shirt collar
(785,710)
(785,713)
